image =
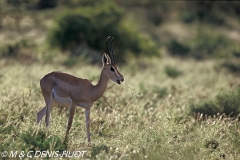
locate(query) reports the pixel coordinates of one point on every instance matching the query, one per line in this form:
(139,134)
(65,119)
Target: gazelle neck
(100,87)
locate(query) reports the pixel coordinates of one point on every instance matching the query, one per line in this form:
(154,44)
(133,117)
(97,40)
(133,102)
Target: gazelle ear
(106,59)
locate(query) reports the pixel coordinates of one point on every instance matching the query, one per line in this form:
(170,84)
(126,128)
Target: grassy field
(149,116)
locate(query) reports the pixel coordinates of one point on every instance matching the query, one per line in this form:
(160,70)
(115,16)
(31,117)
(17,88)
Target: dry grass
(147,117)
(125,126)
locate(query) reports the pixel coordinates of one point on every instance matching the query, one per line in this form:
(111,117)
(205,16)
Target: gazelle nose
(122,80)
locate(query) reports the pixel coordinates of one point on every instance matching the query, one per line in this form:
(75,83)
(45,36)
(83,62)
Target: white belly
(85,105)
(67,101)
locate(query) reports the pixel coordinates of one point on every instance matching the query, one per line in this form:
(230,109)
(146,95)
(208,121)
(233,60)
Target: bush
(212,12)
(236,53)
(161,92)
(226,103)
(43,4)
(98,149)
(157,11)
(172,72)
(11,50)
(91,25)
(201,47)
(232,66)
(203,11)
(204,46)
(74,3)
(232,7)
(187,17)
(176,48)
(40,141)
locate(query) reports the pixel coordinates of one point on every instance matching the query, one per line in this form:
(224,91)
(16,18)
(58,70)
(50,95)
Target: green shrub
(230,7)
(226,103)
(172,72)
(91,25)
(187,17)
(98,149)
(74,3)
(206,45)
(70,61)
(178,49)
(232,65)
(202,46)
(203,11)
(40,141)
(20,51)
(16,2)
(212,144)
(236,53)
(157,11)
(11,50)
(161,92)
(43,4)
(212,12)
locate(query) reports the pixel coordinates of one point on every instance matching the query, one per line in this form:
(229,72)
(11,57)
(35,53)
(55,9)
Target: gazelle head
(109,66)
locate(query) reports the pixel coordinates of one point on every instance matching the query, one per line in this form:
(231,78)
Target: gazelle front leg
(70,119)
(87,116)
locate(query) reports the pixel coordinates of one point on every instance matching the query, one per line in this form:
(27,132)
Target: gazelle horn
(111,55)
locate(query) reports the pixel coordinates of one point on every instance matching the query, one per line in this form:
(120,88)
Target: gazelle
(67,90)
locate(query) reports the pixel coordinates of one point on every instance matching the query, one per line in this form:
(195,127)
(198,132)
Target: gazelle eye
(112,69)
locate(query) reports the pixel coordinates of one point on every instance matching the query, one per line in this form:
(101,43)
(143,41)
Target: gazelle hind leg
(42,112)
(49,109)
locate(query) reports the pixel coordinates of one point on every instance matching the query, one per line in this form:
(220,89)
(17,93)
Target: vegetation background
(180,60)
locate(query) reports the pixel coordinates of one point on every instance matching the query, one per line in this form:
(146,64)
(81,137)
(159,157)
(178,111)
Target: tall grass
(147,117)
(155,125)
